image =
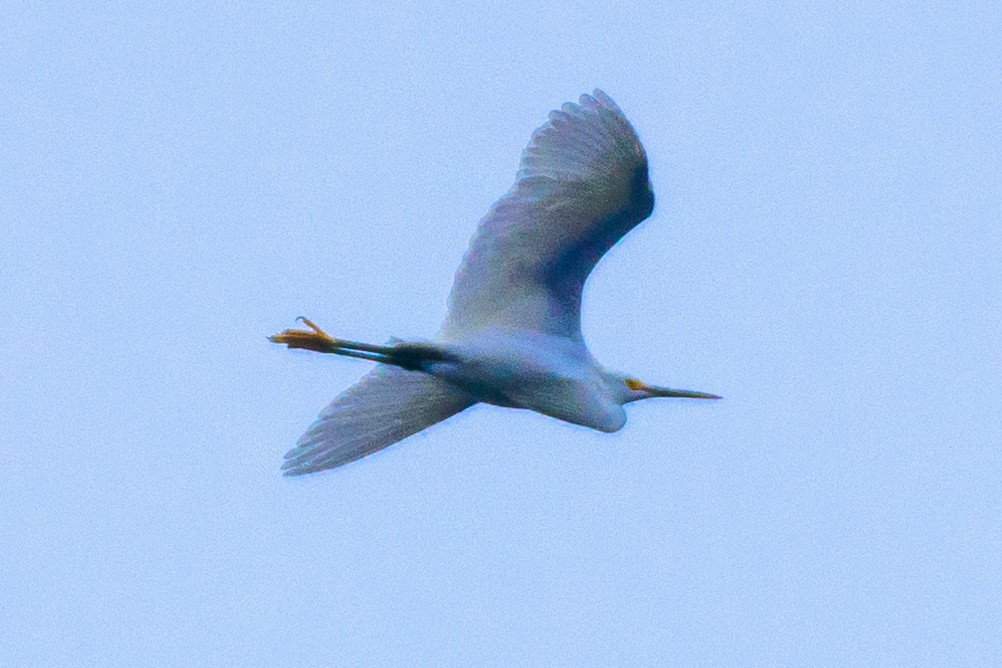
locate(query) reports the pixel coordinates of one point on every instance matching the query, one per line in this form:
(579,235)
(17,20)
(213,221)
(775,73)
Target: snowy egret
(512,336)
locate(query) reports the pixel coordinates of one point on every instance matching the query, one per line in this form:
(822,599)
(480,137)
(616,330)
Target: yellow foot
(317,340)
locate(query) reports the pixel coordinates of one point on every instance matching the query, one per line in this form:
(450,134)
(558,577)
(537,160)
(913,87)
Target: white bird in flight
(512,336)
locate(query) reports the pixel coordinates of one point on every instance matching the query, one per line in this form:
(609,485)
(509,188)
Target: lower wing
(386,406)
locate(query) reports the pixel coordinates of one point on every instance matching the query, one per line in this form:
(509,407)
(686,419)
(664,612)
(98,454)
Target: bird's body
(549,374)
(512,337)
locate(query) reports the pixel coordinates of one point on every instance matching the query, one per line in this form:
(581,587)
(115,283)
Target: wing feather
(582,184)
(388,404)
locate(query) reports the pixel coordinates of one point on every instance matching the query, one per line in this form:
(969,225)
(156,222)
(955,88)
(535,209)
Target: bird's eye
(634,384)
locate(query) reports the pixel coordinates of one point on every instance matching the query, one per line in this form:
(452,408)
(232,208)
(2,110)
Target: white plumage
(387,405)
(512,336)
(581,186)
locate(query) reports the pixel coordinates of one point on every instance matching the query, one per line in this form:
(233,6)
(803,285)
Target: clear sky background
(826,253)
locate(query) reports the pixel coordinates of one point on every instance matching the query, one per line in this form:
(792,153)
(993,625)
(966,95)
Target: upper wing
(582,184)
(387,405)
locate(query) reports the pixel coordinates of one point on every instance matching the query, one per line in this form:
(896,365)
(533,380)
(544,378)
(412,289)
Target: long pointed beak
(685,394)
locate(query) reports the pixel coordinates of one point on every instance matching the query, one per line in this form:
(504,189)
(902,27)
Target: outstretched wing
(387,405)
(582,184)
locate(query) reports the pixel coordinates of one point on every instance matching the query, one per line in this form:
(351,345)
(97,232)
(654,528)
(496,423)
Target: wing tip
(296,468)
(293,468)
(603,98)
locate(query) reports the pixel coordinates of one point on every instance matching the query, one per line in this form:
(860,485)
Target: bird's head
(635,390)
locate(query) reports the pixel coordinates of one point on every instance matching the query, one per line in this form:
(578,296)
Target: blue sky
(826,253)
